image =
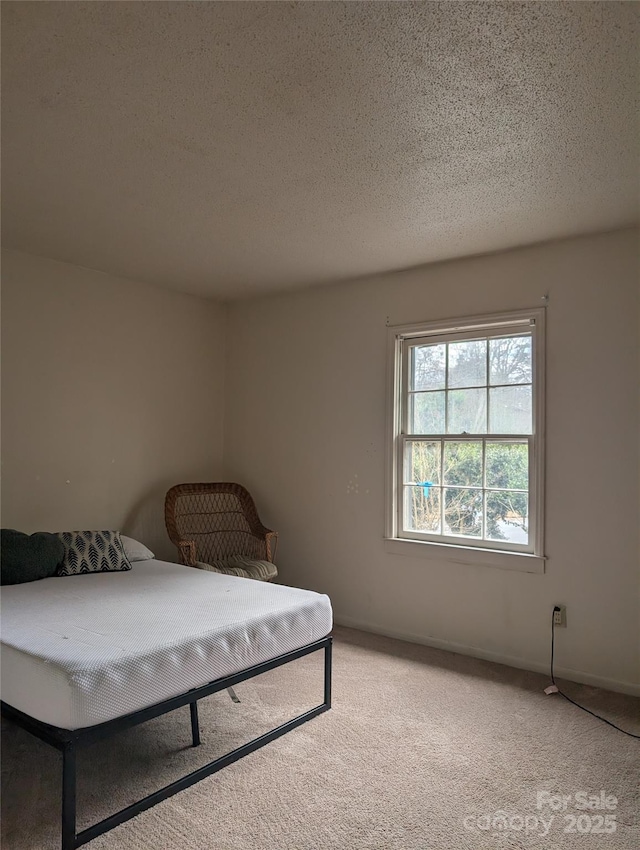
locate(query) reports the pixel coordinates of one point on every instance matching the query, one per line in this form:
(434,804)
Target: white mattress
(80,650)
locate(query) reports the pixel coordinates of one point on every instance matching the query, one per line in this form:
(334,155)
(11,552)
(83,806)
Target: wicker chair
(216,527)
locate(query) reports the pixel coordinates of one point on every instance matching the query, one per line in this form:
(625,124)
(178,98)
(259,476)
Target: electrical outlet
(560,615)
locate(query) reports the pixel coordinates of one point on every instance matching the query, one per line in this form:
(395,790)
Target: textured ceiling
(232,148)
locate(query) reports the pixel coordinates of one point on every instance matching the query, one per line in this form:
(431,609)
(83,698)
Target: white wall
(305,423)
(112,391)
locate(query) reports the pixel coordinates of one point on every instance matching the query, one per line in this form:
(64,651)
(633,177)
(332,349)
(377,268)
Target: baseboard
(511,661)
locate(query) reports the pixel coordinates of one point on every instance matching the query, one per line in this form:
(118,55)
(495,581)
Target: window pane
(427,414)
(422,463)
(468,363)
(427,367)
(467,411)
(510,410)
(508,517)
(422,509)
(510,360)
(508,465)
(463,512)
(463,464)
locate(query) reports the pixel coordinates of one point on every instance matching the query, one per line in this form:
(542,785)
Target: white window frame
(494,553)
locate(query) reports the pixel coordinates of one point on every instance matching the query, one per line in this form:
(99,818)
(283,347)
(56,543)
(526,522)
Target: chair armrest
(187,549)
(271,541)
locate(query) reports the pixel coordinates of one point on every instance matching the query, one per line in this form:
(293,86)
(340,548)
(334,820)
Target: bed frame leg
(68,797)
(327,673)
(195,725)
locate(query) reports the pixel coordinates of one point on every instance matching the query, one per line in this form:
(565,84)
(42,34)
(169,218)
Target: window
(466,453)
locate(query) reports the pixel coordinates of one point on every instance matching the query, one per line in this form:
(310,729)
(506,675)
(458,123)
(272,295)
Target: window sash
(441,339)
(462,540)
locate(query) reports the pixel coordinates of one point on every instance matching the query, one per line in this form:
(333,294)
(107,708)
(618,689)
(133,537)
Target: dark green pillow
(28,557)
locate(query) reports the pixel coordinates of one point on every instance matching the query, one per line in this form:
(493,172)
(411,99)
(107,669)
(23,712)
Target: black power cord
(572,701)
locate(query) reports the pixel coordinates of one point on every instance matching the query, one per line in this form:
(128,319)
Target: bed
(86,656)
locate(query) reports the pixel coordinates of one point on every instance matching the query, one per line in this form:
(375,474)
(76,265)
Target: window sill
(518,561)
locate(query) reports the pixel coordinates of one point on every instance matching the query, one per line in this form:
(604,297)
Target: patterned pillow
(92,552)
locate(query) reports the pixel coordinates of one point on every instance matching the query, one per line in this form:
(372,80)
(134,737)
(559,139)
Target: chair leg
(68,797)
(233,695)
(195,724)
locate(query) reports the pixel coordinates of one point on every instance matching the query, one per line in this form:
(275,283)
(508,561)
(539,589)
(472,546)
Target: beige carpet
(420,751)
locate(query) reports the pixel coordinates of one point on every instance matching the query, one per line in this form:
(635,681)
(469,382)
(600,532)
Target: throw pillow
(92,552)
(28,557)
(134,550)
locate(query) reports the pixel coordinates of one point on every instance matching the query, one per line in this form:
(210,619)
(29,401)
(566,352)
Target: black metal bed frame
(69,741)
